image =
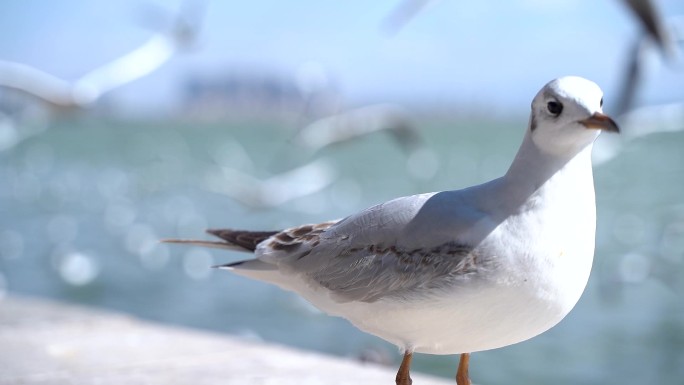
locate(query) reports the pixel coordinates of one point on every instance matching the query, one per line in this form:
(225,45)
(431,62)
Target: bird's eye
(601,103)
(555,108)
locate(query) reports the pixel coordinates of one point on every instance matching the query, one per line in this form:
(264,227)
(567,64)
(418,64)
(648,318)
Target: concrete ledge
(46,342)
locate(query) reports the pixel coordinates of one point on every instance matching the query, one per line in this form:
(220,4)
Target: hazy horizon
(471,54)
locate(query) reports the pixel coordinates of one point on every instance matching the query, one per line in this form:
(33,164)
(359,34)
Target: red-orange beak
(599,121)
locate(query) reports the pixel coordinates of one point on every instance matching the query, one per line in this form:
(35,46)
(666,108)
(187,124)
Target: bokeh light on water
(77,268)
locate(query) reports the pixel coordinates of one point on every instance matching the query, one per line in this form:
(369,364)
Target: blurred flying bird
(357,123)
(659,35)
(91,86)
(275,190)
(402,14)
(645,11)
(653,23)
(183,26)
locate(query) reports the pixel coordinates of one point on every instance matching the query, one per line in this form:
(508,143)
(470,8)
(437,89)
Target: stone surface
(44,342)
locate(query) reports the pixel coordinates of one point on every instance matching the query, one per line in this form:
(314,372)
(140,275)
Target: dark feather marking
(284,237)
(292,239)
(248,240)
(287,247)
(304,254)
(300,231)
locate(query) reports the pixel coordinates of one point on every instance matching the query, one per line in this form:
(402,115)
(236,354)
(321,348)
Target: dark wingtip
(216,232)
(247,240)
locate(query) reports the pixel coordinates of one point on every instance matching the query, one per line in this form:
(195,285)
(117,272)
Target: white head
(567,116)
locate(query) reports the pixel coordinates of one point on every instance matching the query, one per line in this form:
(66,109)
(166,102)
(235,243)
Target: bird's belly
(518,298)
(466,320)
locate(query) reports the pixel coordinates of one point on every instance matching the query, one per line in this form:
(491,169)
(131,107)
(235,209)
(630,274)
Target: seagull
(358,123)
(637,60)
(276,190)
(461,271)
(402,14)
(90,88)
(654,25)
(93,85)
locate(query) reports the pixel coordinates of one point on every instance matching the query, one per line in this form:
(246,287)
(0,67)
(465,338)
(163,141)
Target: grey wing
(371,273)
(388,250)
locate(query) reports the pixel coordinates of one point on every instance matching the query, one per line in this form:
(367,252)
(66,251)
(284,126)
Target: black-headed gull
(456,271)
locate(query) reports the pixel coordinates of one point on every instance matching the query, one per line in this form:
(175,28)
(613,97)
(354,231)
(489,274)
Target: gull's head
(567,115)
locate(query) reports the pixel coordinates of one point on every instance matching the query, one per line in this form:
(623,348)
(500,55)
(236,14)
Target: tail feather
(260,270)
(238,240)
(203,243)
(245,241)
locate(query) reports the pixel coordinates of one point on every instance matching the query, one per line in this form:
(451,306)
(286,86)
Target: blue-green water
(83,204)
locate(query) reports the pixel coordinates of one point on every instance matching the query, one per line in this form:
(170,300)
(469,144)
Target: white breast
(544,255)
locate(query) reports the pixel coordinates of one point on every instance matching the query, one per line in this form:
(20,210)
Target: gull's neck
(542,174)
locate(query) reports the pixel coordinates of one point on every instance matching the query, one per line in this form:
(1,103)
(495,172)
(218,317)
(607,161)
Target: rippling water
(84,203)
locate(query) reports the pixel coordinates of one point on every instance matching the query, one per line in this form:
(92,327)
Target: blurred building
(250,95)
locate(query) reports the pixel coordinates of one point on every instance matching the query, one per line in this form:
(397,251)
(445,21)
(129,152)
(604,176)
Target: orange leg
(462,377)
(403,377)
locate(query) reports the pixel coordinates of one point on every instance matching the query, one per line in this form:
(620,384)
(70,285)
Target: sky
(486,54)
